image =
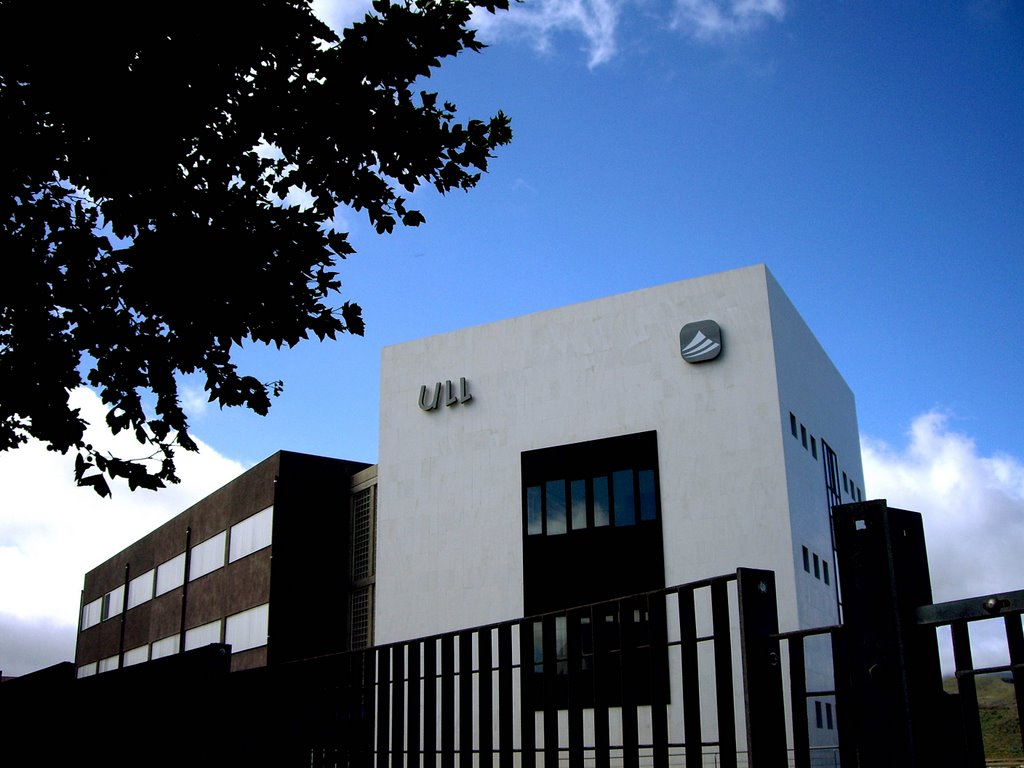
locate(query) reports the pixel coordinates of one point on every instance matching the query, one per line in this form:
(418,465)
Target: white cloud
(598,21)
(973,511)
(194,399)
(715,19)
(973,505)
(52,532)
(595,20)
(338,14)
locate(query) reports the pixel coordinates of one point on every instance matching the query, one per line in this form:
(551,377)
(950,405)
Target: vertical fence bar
(413,705)
(762,669)
(447,701)
(549,659)
(1015,644)
(690,678)
(845,726)
(658,650)
(465,699)
(724,692)
(430,703)
(968,690)
(603,675)
(574,653)
(628,636)
(383,701)
(527,686)
(366,704)
(397,706)
(798,703)
(505,701)
(485,698)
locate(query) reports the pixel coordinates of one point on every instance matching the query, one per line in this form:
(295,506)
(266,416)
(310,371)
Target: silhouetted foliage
(149,147)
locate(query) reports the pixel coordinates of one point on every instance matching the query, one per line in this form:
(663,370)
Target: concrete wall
(450,514)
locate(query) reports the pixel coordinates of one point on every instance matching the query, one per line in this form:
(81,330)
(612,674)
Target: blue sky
(872,156)
(870,153)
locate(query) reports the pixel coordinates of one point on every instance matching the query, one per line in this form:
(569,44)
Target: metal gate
(694,675)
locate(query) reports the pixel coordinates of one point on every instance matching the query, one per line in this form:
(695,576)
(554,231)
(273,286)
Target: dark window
(554,492)
(817,713)
(807,560)
(814,447)
(803,436)
(578,504)
(817,571)
(614,654)
(828,715)
(534,516)
(648,495)
(591,522)
(592,533)
(624,500)
(845,487)
(824,570)
(602,508)
(792,423)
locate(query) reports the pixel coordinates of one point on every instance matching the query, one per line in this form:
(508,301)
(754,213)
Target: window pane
(561,646)
(538,646)
(108,664)
(247,629)
(208,556)
(534,523)
(136,655)
(252,534)
(578,492)
(555,490)
(140,589)
(625,505)
(92,613)
(113,602)
(86,670)
(203,635)
(171,574)
(648,504)
(600,501)
(165,647)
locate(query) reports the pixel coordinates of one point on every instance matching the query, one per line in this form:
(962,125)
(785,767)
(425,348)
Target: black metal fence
(683,676)
(695,675)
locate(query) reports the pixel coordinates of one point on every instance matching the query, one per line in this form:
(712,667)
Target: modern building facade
(576,454)
(251,565)
(526,466)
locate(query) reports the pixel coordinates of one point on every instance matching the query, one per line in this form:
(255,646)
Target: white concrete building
(503,446)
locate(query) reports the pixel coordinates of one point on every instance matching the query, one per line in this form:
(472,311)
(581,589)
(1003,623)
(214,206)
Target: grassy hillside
(1000,727)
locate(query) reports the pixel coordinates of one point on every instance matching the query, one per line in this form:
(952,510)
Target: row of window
(809,442)
(242,539)
(820,565)
(242,631)
(607,625)
(561,506)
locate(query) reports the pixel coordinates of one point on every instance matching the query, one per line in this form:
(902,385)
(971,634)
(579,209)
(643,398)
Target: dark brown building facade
(264,564)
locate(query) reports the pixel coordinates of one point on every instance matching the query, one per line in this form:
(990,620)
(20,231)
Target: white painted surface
(736,488)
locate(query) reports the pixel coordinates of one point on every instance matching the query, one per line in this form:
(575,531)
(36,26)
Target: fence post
(762,668)
(897,711)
